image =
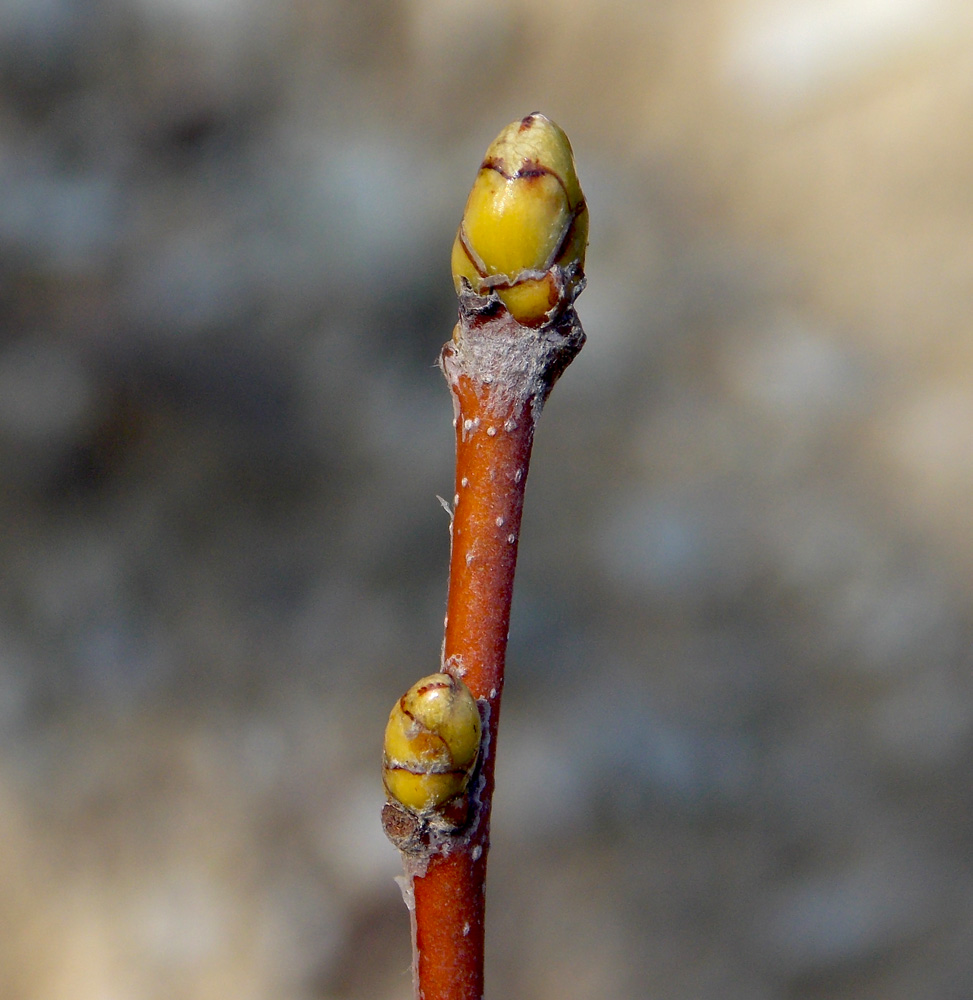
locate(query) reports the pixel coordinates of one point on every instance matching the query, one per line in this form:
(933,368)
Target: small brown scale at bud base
(423,835)
(403,828)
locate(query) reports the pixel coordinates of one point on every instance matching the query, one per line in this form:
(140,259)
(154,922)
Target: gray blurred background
(736,753)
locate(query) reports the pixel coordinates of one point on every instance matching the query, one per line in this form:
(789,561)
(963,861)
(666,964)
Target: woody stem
(500,374)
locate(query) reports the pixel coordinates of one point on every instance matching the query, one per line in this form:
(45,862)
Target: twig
(518,266)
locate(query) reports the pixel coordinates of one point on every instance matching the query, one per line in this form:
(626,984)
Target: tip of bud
(525,227)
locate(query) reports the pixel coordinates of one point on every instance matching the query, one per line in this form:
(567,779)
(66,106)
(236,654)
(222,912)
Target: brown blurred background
(738,738)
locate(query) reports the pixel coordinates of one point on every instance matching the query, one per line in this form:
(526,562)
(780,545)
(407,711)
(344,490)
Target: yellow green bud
(525,221)
(432,741)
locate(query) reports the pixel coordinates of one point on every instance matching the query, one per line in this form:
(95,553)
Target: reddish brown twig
(518,265)
(500,374)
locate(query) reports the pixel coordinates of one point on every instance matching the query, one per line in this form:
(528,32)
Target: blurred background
(737,747)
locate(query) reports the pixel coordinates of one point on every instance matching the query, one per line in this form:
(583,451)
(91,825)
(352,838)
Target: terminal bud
(525,227)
